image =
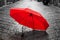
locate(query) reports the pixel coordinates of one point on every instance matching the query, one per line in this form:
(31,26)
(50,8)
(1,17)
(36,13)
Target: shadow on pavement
(32,35)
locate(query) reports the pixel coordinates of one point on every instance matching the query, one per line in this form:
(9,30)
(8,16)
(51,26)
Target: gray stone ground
(11,30)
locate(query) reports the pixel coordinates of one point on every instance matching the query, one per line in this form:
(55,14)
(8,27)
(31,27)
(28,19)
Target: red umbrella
(29,18)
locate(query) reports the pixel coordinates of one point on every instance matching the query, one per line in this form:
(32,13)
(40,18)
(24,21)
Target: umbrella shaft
(22,29)
(33,27)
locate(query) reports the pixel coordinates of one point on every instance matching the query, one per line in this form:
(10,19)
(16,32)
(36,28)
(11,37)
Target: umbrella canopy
(29,18)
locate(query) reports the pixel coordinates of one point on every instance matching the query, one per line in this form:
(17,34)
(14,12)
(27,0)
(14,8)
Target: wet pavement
(11,30)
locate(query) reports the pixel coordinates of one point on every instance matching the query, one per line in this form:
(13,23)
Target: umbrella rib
(33,22)
(40,21)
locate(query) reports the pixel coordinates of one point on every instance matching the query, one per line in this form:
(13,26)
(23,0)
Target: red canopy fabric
(29,18)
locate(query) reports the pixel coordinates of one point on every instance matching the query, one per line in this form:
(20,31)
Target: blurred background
(11,30)
(6,2)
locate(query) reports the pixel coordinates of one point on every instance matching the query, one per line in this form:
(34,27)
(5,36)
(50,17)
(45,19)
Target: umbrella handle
(22,35)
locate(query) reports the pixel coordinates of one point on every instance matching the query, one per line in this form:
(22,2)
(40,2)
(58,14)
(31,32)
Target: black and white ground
(11,30)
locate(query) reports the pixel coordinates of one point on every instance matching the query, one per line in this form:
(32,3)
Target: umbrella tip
(31,14)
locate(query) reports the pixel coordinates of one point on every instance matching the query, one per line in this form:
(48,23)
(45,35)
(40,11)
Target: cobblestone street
(11,30)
